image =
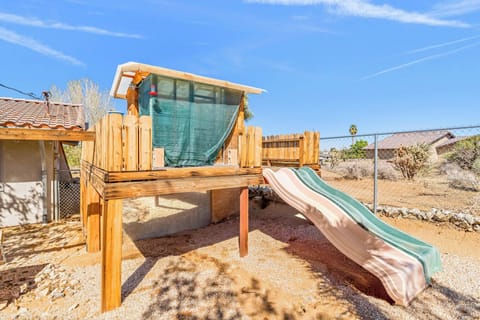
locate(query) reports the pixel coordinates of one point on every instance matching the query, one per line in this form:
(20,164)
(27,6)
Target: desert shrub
(410,160)
(460,178)
(386,171)
(466,152)
(355,169)
(476,166)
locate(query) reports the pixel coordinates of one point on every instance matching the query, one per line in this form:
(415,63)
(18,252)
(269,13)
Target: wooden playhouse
(165,145)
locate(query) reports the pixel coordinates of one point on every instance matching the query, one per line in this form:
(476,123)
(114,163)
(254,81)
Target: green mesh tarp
(190,121)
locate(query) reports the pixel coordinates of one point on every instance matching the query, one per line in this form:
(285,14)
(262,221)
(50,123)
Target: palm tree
(353,131)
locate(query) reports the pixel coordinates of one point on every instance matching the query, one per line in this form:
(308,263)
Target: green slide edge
(425,253)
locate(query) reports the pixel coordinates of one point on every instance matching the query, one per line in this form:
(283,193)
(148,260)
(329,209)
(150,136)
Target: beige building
(32,160)
(388,146)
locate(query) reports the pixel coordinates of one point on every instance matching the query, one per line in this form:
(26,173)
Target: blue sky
(326,64)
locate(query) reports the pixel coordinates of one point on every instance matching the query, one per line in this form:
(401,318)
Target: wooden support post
(243,238)
(111,254)
(93,219)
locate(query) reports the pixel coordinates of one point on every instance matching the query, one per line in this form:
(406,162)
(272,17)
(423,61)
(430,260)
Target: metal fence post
(375,175)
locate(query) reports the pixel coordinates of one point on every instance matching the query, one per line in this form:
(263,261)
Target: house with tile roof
(32,160)
(388,146)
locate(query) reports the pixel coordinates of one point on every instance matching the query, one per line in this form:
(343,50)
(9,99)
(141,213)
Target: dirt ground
(423,193)
(291,272)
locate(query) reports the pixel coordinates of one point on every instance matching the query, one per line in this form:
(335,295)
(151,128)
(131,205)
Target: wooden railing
(251,148)
(122,143)
(291,150)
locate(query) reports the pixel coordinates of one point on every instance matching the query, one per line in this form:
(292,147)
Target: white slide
(401,275)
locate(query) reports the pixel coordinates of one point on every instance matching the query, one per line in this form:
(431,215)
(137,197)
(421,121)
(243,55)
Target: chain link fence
(424,170)
(68,191)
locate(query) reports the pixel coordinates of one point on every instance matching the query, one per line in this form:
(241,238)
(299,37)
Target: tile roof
(452,141)
(36,114)
(397,140)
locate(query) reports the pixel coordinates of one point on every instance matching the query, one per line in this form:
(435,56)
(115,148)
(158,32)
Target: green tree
(357,150)
(353,131)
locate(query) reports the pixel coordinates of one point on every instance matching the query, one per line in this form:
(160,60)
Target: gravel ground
(291,272)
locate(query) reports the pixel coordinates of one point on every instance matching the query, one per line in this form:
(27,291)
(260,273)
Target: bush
(386,171)
(460,178)
(466,152)
(410,160)
(476,166)
(355,169)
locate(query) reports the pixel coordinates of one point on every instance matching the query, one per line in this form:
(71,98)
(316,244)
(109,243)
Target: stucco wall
(158,216)
(21,185)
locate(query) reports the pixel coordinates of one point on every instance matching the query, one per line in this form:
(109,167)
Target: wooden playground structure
(120,163)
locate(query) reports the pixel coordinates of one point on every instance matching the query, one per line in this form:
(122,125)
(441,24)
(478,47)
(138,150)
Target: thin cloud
(364,9)
(424,59)
(29,43)
(440,45)
(35,22)
(455,8)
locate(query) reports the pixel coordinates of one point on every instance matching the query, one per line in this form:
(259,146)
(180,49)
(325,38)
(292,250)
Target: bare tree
(86,92)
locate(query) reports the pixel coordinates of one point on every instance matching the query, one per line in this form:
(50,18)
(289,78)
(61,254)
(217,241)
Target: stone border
(464,221)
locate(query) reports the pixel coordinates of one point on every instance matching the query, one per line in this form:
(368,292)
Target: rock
(403,212)
(44,292)
(23,288)
(3,305)
(73,307)
(440,216)
(56,293)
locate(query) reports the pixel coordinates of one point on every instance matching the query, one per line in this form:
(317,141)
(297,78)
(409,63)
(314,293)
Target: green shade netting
(193,130)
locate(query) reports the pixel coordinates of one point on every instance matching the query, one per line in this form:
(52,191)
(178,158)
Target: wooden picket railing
(251,148)
(291,150)
(122,143)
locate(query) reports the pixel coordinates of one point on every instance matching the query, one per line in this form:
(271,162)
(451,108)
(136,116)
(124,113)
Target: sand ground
(291,272)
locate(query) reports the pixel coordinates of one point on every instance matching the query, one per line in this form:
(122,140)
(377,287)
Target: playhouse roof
(127,71)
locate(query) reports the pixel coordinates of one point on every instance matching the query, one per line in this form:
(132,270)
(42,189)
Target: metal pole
(375,175)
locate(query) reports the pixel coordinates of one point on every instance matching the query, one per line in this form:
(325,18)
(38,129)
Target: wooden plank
(97,146)
(111,274)
(301,152)
(145,143)
(114,144)
(103,156)
(258,147)
(173,173)
(145,69)
(45,134)
(158,158)
(132,102)
(122,190)
(130,143)
(316,145)
(251,146)
(93,220)
(224,203)
(243,236)
(243,150)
